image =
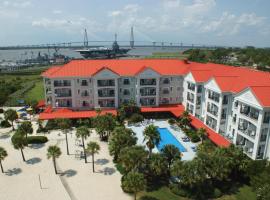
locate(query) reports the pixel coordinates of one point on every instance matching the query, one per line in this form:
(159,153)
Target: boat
(103,52)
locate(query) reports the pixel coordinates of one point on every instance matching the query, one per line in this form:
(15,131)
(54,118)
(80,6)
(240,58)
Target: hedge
(37,139)
(5,124)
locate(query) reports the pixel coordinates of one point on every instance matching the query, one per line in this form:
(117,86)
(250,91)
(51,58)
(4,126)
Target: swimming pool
(167,138)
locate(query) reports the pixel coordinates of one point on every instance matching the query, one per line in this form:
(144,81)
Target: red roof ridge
(105,67)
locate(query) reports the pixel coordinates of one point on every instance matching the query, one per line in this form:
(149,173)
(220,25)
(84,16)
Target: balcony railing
(63,94)
(148,82)
(249,112)
(62,84)
(106,83)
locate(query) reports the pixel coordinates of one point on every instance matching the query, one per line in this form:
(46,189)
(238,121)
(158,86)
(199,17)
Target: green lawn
(36,93)
(164,193)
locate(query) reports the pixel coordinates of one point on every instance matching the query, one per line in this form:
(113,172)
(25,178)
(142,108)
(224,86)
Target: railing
(148,82)
(106,83)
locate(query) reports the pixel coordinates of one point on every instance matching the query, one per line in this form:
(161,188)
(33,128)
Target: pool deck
(176,131)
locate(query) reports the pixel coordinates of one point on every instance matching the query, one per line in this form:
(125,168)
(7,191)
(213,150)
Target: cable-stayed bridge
(91,44)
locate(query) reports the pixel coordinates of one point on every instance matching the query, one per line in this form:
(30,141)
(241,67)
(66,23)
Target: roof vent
(186,61)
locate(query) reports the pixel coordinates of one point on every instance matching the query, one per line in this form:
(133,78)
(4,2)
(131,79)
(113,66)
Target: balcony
(213,96)
(106,93)
(249,111)
(148,101)
(64,83)
(190,97)
(165,91)
(106,103)
(106,83)
(144,82)
(211,122)
(85,94)
(247,128)
(63,103)
(191,86)
(148,92)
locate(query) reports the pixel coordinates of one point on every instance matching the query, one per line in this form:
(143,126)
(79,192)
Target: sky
(207,22)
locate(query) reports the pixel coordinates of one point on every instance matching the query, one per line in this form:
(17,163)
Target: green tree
(54,152)
(171,153)
(158,165)
(126,110)
(11,115)
(104,124)
(93,148)
(152,137)
(64,125)
(26,128)
(134,182)
(83,132)
(184,120)
(19,142)
(132,158)
(119,139)
(202,133)
(3,155)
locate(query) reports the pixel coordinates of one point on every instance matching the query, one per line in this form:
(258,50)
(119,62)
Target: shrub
(42,130)
(195,138)
(1,110)
(171,121)
(37,139)
(217,193)
(5,124)
(176,189)
(148,198)
(135,118)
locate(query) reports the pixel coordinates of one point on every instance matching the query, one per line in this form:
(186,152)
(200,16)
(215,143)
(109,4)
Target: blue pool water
(167,138)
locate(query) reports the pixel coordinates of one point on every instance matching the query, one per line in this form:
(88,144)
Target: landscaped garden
(214,173)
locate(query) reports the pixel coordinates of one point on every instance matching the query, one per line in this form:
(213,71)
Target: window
(84,83)
(212,108)
(126,81)
(199,89)
(266,118)
(213,96)
(126,92)
(191,86)
(225,100)
(166,81)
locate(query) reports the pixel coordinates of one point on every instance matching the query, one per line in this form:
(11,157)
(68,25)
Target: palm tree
(54,152)
(19,142)
(11,115)
(132,158)
(93,148)
(152,137)
(171,153)
(3,155)
(64,125)
(121,137)
(184,120)
(83,132)
(158,164)
(202,133)
(134,182)
(26,128)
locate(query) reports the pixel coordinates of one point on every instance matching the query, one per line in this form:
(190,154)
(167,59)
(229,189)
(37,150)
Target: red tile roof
(66,113)
(212,135)
(229,78)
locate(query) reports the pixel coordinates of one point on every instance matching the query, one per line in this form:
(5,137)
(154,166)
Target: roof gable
(105,73)
(212,85)
(189,77)
(247,96)
(147,72)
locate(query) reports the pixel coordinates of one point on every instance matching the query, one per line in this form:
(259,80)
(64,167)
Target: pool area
(169,135)
(166,137)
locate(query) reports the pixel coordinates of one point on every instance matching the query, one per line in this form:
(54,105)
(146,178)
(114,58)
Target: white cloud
(231,24)
(17,3)
(57,12)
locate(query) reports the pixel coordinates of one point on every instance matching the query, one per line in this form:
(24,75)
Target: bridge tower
(85,38)
(131,38)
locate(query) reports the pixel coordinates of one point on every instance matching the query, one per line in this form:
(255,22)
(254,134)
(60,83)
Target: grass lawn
(36,93)
(244,193)
(164,193)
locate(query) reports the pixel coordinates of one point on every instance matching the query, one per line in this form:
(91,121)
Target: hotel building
(234,102)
